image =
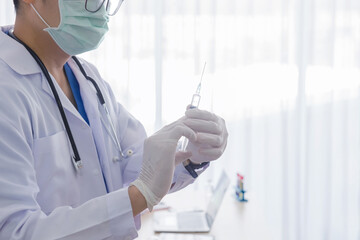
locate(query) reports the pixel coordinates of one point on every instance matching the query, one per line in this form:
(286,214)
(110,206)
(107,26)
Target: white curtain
(285,74)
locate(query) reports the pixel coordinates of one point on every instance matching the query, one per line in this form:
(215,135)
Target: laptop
(193,221)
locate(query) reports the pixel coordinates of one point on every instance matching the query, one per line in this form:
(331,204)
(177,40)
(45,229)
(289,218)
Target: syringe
(195,101)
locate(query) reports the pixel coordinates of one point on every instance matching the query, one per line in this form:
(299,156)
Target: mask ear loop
(39,15)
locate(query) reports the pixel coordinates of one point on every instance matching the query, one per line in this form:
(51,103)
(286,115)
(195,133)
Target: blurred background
(284,74)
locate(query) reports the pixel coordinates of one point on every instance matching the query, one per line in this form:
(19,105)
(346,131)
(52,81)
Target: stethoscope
(76,156)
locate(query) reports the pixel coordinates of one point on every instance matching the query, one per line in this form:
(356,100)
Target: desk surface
(235,220)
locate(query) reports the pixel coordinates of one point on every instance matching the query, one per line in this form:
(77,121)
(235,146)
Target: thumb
(180,157)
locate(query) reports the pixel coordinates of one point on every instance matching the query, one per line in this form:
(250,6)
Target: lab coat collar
(15,55)
(67,105)
(11,53)
(88,94)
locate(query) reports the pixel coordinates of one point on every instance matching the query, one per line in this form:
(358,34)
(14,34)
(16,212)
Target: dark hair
(16,4)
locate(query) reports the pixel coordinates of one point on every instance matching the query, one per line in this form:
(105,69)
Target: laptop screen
(217,197)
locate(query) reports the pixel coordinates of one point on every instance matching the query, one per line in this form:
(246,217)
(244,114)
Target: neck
(43,45)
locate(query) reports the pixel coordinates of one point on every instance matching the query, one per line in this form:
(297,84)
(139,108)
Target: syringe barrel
(194,104)
(183,143)
(195,101)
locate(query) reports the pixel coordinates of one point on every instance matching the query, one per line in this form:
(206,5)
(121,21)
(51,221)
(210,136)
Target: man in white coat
(71,165)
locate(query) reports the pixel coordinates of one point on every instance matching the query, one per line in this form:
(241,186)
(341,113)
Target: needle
(199,86)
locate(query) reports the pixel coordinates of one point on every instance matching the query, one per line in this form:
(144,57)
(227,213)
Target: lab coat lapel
(92,107)
(21,61)
(88,94)
(67,105)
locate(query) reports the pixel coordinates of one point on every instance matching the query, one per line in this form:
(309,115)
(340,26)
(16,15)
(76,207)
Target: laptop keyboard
(190,220)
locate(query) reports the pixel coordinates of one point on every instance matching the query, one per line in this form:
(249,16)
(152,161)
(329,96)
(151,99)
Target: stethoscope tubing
(76,158)
(102,102)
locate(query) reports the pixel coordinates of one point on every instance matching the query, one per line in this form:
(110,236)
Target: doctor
(74,164)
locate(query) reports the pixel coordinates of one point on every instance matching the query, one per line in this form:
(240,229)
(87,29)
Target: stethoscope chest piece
(77,164)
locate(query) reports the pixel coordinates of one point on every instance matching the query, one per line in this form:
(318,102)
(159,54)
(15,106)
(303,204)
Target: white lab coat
(41,194)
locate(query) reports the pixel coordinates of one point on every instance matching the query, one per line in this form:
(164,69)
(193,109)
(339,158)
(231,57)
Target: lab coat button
(130,152)
(116,159)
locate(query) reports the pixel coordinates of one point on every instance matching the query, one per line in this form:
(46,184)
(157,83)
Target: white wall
(285,75)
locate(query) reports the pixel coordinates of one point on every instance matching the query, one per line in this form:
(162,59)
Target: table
(235,220)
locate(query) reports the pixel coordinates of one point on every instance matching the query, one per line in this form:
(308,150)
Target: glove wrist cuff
(151,199)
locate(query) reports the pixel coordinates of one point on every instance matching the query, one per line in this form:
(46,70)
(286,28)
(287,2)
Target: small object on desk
(240,192)
(176,236)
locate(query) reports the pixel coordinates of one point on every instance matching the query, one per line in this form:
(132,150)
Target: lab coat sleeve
(132,135)
(106,217)
(130,131)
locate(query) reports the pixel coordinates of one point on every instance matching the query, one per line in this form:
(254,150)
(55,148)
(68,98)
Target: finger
(211,153)
(181,130)
(181,156)
(210,139)
(201,114)
(205,126)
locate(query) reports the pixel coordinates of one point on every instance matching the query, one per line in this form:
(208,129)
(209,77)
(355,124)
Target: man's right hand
(159,161)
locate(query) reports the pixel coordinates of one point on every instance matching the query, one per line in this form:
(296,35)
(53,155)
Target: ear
(24,4)
(29,1)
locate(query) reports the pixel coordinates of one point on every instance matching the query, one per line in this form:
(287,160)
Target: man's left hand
(211,138)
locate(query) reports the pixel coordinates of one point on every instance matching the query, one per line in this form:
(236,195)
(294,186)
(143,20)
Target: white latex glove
(211,138)
(159,159)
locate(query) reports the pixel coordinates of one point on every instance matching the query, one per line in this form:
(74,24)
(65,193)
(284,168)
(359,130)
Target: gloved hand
(211,138)
(159,159)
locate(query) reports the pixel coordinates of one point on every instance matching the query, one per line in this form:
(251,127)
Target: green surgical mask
(79,31)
